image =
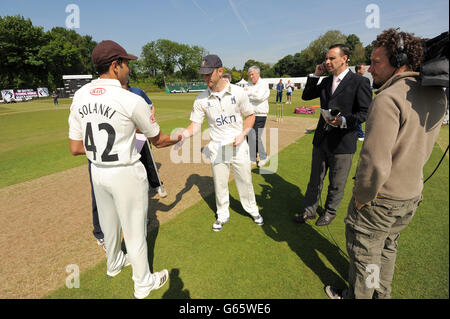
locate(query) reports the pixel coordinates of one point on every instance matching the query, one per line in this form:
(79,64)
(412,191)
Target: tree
(189,60)
(66,52)
(150,59)
(30,58)
(166,56)
(358,55)
(20,64)
(357,51)
(351,41)
(137,70)
(285,66)
(266,70)
(316,52)
(368,52)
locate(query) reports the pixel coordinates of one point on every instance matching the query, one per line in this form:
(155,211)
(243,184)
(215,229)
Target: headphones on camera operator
(399,58)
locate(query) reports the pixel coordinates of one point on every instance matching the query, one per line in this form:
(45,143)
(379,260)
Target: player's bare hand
(179,135)
(238,140)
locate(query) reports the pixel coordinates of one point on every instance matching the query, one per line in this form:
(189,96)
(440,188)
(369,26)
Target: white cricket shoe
(161,191)
(125,264)
(159,279)
(258,220)
(218,225)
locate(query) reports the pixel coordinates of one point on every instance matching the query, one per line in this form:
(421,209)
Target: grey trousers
(372,239)
(254,139)
(339,166)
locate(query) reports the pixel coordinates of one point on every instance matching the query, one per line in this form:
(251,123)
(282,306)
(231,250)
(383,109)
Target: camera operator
(347,96)
(402,126)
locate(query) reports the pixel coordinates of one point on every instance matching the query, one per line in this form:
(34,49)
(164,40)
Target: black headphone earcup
(398,60)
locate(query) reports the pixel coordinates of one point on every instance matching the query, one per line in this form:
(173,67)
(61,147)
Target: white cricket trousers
(243,177)
(121,193)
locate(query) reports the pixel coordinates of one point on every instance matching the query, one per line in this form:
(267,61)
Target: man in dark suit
(347,96)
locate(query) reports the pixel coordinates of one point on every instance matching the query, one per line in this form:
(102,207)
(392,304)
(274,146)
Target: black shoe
(325,219)
(333,293)
(301,219)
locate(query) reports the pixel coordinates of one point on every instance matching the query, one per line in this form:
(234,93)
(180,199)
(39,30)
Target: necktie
(336,81)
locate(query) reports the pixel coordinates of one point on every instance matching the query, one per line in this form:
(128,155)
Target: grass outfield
(34,135)
(278,260)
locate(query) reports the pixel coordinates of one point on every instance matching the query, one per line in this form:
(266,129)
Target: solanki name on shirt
(100,109)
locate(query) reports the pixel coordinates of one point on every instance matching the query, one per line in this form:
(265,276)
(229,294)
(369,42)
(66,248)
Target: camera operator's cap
(108,51)
(209,63)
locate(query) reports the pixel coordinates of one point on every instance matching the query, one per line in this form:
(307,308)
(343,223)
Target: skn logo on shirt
(225,120)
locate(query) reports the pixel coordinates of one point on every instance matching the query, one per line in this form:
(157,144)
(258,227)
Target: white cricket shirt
(224,114)
(104,116)
(258,94)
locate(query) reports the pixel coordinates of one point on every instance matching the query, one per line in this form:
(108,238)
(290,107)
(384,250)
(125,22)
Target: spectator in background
(55,98)
(360,69)
(258,93)
(289,90)
(280,88)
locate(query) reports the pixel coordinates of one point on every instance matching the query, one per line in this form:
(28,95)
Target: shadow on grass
(176,286)
(205,185)
(280,200)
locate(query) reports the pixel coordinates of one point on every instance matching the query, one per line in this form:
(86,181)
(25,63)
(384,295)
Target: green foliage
(30,58)
(66,52)
(285,66)
(304,62)
(316,52)
(352,41)
(357,55)
(20,62)
(368,53)
(265,69)
(164,56)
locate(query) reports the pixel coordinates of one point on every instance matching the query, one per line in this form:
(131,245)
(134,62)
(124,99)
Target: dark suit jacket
(352,98)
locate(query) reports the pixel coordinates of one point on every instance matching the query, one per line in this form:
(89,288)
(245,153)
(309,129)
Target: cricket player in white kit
(223,104)
(102,124)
